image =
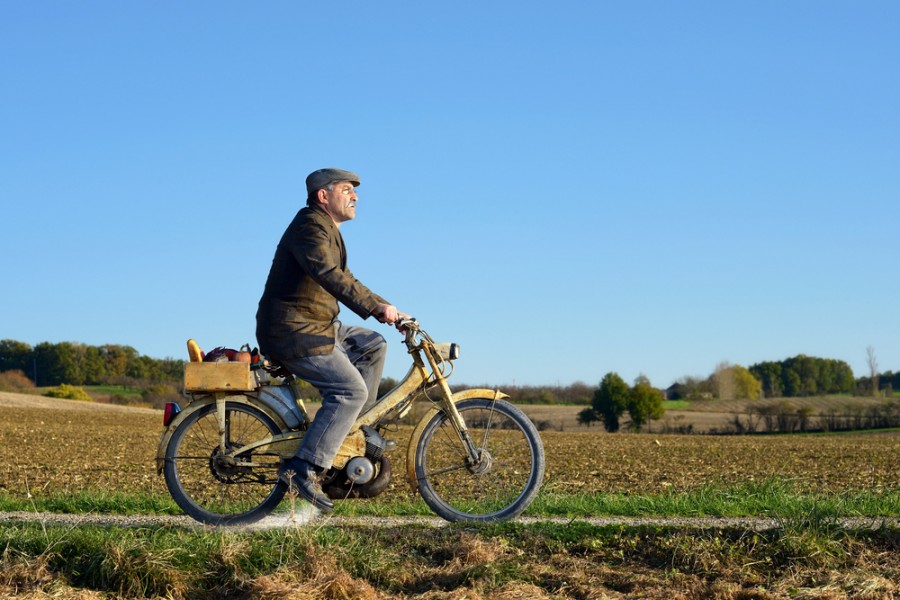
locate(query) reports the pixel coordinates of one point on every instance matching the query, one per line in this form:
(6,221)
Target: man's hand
(388,313)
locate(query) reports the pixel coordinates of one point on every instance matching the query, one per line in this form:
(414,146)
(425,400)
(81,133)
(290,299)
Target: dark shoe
(301,477)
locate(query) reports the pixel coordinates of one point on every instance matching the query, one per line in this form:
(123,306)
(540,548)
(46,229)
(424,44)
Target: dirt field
(49,445)
(704,416)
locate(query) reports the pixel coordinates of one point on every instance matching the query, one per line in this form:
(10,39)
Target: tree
(724,381)
(872,361)
(15,356)
(611,400)
(644,404)
(56,364)
(587,416)
(15,381)
(769,375)
(577,393)
(804,376)
(746,386)
(386,385)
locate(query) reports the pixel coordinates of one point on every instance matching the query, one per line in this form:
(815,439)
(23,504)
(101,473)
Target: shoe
(301,477)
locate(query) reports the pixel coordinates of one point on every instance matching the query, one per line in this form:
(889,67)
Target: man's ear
(321,196)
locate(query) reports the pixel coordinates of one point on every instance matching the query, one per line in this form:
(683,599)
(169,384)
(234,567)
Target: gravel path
(283,520)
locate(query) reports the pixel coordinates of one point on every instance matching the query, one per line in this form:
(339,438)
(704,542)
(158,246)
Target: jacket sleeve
(314,252)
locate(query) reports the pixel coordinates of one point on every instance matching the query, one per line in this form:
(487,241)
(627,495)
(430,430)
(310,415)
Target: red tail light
(171,411)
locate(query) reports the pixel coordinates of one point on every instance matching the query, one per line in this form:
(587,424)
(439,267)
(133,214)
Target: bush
(70,392)
(15,381)
(121,399)
(158,394)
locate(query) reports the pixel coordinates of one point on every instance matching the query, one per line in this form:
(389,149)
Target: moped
(473,456)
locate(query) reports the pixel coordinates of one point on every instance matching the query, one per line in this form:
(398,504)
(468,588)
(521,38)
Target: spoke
(457,489)
(442,471)
(487,429)
(216,486)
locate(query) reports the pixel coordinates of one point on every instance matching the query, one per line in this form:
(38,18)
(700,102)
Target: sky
(565,189)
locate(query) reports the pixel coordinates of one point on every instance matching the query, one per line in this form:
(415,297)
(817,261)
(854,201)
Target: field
(705,416)
(69,446)
(55,448)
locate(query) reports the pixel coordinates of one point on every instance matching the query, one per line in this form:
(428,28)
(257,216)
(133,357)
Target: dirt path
(284,520)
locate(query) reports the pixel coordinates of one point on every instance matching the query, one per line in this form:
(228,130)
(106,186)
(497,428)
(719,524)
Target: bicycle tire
(208,489)
(508,476)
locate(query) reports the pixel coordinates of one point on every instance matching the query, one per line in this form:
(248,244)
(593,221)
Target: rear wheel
(212,486)
(501,483)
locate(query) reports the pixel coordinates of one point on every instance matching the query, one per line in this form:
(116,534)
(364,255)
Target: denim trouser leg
(348,380)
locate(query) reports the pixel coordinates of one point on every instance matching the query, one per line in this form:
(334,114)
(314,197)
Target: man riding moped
(297,325)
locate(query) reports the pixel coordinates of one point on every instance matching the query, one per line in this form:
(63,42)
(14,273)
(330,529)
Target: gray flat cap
(318,179)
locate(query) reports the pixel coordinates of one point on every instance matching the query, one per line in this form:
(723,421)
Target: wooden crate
(218,377)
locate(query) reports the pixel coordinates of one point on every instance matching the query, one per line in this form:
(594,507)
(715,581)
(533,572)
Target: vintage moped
(473,456)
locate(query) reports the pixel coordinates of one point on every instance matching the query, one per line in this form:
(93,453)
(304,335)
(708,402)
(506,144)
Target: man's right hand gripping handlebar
(388,313)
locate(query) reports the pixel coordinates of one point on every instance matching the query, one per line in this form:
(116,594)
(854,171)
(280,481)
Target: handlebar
(410,324)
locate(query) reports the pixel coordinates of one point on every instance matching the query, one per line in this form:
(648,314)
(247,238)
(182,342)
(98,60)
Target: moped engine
(363,476)
(360,470)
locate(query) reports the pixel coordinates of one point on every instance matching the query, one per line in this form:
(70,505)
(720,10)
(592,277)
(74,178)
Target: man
(297,326)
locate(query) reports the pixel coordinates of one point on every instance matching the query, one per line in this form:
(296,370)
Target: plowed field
(59,446)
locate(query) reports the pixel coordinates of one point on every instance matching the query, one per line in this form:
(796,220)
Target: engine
(363,476)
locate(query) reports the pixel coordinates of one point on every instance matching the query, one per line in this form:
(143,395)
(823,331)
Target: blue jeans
(348,381)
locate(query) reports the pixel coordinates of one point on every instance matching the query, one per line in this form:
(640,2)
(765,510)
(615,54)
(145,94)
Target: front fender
(420,427)
(199,403)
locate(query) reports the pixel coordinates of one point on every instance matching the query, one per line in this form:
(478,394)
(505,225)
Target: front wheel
(501,483)
(222,488)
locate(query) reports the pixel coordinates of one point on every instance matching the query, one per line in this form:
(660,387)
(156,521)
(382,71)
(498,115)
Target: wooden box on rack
(218,377)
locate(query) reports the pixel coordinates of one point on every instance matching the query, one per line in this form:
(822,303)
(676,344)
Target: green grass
(676,404)
(775,498)
(111,390)
(769,498)
(101,501)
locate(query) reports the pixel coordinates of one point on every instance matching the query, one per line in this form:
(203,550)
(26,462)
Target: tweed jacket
(308,278)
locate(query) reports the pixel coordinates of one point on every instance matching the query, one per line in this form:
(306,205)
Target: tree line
(796,377)
(804,376)
(53,364)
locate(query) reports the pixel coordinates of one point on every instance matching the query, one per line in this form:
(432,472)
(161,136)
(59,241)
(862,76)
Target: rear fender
(420,427)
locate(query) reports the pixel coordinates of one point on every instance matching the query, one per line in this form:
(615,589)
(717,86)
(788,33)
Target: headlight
(447,350)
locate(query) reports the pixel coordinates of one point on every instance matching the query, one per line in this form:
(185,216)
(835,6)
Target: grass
(574,560)
(110,390)
(774,498)
(93,501)
(676,404)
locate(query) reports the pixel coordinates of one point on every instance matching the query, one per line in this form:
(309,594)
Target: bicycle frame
(424,374)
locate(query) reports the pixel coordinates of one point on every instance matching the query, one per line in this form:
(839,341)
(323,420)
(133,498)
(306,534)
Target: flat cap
(318,179)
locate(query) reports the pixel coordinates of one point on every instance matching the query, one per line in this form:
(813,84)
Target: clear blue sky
(565,189)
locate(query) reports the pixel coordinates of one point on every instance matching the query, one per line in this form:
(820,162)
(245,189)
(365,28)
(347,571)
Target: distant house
(679,391)
(675,391)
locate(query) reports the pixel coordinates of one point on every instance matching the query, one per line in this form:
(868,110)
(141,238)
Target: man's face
(339,201)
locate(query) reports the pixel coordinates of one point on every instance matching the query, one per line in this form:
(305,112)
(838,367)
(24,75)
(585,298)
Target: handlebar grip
(405,323)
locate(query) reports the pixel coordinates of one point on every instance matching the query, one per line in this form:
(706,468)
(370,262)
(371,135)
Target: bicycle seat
(276,369)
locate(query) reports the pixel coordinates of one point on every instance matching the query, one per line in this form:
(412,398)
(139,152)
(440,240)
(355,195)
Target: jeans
(348,381)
